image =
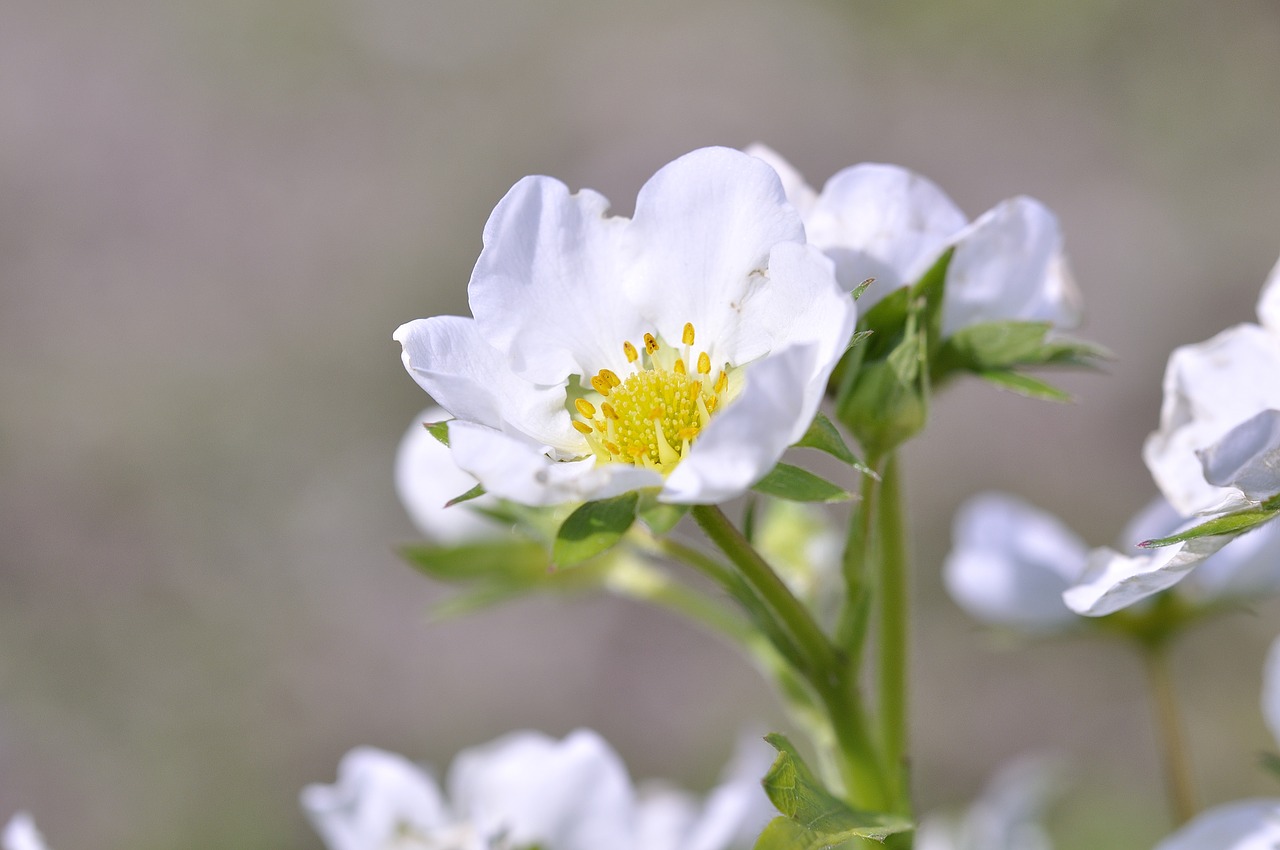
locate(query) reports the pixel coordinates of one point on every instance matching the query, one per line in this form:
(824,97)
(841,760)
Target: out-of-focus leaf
(593,528)
(799,485)
(474,493)
(1234,523)
(493,559)
(1025,385)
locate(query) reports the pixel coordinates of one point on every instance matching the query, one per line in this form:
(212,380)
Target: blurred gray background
(213,215)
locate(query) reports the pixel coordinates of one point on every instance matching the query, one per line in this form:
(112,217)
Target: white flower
(427,478)
(682,349)
(888,223)
(526,790)
(1218,428)
(1006,816)
(1010,563)
(21,834)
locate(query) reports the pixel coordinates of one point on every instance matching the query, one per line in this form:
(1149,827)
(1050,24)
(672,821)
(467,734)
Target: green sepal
(439,430)
(1012,344)
(862,287)
(825,437)
(498,559)
(1026,385)
(929,291)
(819,820)
(660,516)
(474,493)
(593,528)
(799,485)
(1233,524)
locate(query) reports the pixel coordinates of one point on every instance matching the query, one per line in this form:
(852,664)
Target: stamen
(704,364)
(679,366)
(600,385)
(608,411)
(611,377)
(582,428)
(650,344)
(667,456)
(585,407)
(687,337)
(722,382)
(630,350)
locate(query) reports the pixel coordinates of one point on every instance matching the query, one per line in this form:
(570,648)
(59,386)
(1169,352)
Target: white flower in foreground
(682,349)
(1006,817)
(427,478)
(888,223)
(21,834)
(527,790)
(1246,824)
(1218,433)
(1010,563)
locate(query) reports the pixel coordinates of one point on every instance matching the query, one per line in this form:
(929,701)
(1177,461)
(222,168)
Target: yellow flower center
(651,417)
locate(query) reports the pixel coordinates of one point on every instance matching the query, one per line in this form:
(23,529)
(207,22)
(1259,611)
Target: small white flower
(21,834)
(888,223)
(1006,817)
(427,478)
(682,349)
(1010,563)
(1218,427)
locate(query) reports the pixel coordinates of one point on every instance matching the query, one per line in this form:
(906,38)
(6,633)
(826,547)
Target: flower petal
(1112,581)
(21,834)
(1269,301)
(744,441)
(704,227)
(571,795)
(1010,564)
(427,477)
(1009,264)
(378,796)
(737,809)
(884,222)
(547,289)
(1209,388)
(468,377)
(1271,690)
(1247,457)
(1243,825)
(801,195)
(511,468)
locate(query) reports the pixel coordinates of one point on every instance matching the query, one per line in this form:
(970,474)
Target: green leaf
(474,493)
(822,820)
(799,485)
(996,345)
(1024,385)
(824,436)
(862,287)
(439,430)
(594,527)
(661,517)
(501,558)
(1233,523)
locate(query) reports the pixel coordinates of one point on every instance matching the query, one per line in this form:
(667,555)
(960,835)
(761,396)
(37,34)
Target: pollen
(653,416)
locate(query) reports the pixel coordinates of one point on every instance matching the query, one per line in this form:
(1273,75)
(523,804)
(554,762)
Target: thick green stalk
(893,587)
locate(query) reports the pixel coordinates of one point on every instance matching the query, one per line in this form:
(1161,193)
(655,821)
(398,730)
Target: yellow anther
(612,447)
(636,450)
(678,368)
(630,350)
(600,426)
(687,336)
(611,377)
(581,427)
(608,411)
(600,385)
(722,382)
(687,433)
(585,407)
(712,402)
(694,391)
(650,344)
(704,364)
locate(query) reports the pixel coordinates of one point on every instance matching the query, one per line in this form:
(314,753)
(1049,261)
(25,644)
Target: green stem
(894,582)
(851,631)
(1173,744)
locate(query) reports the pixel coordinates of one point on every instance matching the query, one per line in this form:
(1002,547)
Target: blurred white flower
(682,349)
(1010,563)
(427,478)
(888,223)
(528,790)
(803,546)
(1006,817)
(21,834)
(1219,437)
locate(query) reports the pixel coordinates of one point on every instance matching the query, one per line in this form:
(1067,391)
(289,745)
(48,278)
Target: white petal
(884,222)
(664,817)
(745,440)
(1009,264)
(427,477)
(1271,690)
(737,809)
(1011,562)
(1244,825)
(1246,568)
(1112,581)
(1247,457)
(1209,388)
(511,468)
(21,834)
(1269,301)
(801,195)
(1156,519)
(470,378)
(547,289)
(704,228)
(571,795)
(1006,817)
(378,795)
